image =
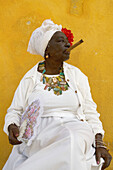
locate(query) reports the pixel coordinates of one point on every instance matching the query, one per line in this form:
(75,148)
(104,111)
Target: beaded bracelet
(100,144)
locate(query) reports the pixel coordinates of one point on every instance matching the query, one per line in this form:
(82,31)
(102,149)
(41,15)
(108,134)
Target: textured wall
(91,20)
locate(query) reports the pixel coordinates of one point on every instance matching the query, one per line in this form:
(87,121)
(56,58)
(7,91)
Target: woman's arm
(92,117)
(18,104)
(90,110)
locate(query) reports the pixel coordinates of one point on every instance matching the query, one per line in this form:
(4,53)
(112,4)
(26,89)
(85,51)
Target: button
(81,120)
(67,79)
(75,91)
(79,104)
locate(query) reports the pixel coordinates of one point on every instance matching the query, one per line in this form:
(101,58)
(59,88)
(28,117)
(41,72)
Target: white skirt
(61,144)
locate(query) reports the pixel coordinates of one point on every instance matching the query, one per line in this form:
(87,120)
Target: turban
(41,36)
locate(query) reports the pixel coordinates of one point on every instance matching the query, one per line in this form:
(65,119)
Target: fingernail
(17,134)
(97,162)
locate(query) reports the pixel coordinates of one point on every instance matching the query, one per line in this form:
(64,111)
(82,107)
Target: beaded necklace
(58,83)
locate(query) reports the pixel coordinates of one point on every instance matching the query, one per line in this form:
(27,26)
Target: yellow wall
(91,20)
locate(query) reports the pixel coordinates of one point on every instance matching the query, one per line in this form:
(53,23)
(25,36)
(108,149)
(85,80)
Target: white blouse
(77,81)
(64,105)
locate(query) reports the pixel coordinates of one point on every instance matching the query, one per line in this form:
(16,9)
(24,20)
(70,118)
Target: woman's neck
(52,67)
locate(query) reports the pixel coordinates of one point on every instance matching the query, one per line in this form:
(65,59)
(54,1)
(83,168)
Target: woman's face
(57,47)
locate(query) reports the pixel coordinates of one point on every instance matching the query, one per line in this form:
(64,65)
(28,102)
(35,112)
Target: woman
(70,133)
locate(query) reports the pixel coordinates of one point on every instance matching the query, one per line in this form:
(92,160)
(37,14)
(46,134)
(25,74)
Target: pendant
(55,80)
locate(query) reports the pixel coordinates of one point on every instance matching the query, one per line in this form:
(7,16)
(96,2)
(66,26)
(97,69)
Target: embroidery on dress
(30,121)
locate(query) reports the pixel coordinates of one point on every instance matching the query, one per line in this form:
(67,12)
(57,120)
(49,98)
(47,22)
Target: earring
(47,56)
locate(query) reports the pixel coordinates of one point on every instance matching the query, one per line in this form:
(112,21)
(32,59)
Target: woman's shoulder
(30,75)
(31,72)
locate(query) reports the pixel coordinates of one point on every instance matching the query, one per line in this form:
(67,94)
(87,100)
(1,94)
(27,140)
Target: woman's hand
(13,134)
(103,153)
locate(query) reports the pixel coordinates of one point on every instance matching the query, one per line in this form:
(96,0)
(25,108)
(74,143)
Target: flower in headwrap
(42,35)
(68,34)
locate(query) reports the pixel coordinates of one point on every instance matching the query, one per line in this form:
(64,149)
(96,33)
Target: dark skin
(13,134)
(102,152)
(56,51)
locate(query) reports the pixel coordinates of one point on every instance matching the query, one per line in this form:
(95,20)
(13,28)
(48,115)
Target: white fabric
(41,36)
(77,81)
(61,105)
(61,144)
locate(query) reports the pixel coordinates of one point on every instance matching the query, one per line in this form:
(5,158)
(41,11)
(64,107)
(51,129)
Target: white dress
(63,142)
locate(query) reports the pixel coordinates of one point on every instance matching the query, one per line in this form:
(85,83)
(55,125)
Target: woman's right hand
(13,134)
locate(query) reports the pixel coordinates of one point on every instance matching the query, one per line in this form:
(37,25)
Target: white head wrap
(41,36)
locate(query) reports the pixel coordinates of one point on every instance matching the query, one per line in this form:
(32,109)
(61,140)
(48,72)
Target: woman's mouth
(66,52)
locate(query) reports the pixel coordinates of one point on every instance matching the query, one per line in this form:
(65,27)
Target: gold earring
(47,56)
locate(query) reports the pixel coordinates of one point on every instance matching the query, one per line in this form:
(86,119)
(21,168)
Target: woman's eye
(60,40)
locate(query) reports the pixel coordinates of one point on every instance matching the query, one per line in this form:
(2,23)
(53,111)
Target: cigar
(75,45)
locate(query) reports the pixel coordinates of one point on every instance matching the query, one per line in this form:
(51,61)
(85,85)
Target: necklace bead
(58,83)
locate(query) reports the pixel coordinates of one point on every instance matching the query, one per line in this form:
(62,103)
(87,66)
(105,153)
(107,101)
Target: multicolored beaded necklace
(58,83)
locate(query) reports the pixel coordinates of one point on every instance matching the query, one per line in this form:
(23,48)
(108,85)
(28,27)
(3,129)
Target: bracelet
(100,142)
(101,146)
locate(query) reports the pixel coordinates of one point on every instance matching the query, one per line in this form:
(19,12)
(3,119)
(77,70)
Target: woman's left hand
(103,153)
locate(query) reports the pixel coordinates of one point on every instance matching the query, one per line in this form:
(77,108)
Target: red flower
(68,34)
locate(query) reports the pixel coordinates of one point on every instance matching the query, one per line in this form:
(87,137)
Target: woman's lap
(61,144)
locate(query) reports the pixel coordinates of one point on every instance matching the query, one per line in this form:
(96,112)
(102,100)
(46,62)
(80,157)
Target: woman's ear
(47,49)
(46,55)
(47,52)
